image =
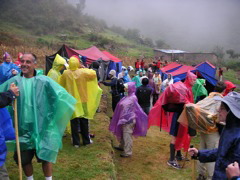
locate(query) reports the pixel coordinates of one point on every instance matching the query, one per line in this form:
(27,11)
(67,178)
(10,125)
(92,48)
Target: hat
(124,68)
(233,102)
(112,72)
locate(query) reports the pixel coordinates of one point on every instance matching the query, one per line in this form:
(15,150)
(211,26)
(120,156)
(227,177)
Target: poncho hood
(126,111)
(58,62)
(229,87)
(74,63)
(190,77)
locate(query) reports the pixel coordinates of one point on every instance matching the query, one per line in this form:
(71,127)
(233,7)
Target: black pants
(146,109)
(155,98)
(84,127)
(115,100)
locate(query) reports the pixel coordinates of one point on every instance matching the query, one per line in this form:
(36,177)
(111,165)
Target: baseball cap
(233,102)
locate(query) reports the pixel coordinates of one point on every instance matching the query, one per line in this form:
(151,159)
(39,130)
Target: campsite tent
(170,67)
(180,72)
(115,63)
(92,54)
(207,71)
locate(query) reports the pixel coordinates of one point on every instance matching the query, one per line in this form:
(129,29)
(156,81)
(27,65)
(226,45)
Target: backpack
(120,85)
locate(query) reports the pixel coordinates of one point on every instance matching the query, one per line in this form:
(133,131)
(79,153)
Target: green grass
(99,161)
(116,38)
(94,161)
(232,76)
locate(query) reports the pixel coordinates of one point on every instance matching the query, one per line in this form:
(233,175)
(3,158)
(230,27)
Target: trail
(149,159)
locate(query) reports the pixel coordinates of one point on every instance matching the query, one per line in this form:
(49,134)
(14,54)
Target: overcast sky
(194,25)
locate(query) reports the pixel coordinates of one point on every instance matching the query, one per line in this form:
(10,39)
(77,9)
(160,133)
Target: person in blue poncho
(6,127)
(7,68)
(44,110)
(228,150)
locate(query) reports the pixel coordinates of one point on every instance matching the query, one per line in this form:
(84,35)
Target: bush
(233,64)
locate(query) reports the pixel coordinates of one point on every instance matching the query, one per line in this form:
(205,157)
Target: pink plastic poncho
(126,111)
(229,86)
(160,115)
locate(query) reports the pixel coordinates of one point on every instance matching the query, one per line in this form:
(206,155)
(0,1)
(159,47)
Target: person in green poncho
(199,91)
(136,78)
(44,109)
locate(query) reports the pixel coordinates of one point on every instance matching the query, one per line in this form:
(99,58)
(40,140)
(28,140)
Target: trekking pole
(193,166)
(17,139)
(185,158)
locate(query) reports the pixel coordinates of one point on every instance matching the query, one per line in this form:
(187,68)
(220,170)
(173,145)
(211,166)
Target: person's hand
(14,71)
(14,89)
(233,170)
(192,151)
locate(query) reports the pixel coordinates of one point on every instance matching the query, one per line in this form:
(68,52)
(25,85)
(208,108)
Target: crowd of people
(70,96)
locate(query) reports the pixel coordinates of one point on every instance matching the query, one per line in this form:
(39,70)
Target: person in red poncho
(229,87)
(137,65)
(18,61)
(173,100)
(159,63)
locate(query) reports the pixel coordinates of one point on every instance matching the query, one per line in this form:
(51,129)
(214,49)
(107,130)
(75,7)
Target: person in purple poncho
(128,119)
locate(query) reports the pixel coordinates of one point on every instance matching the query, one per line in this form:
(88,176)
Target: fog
(193,25)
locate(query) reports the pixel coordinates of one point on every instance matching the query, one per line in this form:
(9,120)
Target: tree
(231,53)
(81,6)
(148,41)
(219,51)
(160,43)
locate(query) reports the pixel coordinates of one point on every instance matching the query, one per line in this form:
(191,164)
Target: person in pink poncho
(128,119)
(172,100)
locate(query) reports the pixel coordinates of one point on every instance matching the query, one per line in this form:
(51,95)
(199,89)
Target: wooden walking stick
(17,139)
(193,167)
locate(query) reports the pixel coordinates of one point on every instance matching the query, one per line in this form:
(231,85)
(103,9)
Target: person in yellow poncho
(58,64)
(82,84)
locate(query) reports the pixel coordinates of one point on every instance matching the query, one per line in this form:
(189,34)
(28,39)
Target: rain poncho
(44,109)
(157,82)
(136,79)
(229,87)
(6,69)
(203,115)
(199,89)
(151,82)
(228,150)
(126,111)
(82,84)
(18,61)
(58,64)
(126,77)
(6,133)
(167,82)
(174,96)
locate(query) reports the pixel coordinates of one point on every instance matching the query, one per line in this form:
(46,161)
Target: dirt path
(149,160)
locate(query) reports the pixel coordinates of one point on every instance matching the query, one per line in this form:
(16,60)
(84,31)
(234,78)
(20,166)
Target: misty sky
(194,25)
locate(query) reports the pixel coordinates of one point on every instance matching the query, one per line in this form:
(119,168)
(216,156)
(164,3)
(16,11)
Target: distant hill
(54,22)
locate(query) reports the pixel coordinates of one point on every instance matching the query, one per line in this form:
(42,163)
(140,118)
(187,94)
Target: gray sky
(194,25)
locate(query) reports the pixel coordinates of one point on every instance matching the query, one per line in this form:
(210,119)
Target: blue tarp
(117,66)
(208,72)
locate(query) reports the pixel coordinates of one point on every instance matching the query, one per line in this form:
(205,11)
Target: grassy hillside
(50,23)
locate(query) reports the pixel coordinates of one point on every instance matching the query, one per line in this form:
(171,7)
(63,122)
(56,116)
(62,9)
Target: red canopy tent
(182,71)
(111,57)
(92,54)
(172,66)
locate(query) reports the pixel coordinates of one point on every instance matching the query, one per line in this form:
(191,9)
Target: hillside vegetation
(51,23)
